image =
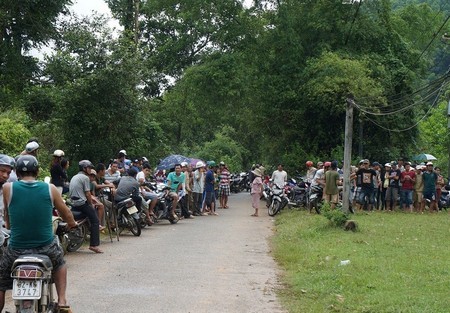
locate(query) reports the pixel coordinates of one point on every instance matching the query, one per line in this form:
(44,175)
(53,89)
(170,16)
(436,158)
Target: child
(257,189)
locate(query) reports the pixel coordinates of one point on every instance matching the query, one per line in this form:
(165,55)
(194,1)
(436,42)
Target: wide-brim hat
(257,172)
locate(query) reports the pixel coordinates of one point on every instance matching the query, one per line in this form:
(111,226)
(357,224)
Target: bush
(336,217)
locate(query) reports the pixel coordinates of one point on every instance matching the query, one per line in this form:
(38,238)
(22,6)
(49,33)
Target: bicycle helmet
(27,163)
(31,146)
(58,153)
(85,164)
(309,163)
(7,160)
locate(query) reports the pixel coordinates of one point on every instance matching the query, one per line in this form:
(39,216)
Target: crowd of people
(29,218)
(396,184)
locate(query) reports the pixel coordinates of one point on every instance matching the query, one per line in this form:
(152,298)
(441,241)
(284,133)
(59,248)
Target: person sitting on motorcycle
(80,196)
(175,180)
(28,214)
(279,177)
(96,203)
(129,187)
(146,192)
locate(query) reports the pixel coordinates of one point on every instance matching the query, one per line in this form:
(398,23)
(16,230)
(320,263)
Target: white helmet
(199,164)
(58,153)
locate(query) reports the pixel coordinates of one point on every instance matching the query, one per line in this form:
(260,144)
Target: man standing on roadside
(279,177)
(366,176)
(332,181)
(407,178)
(210,199)
(429,178)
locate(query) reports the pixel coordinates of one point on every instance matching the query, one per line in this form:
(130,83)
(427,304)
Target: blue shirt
(209,181)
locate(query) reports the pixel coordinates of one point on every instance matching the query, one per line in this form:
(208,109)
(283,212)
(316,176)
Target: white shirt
(279,178)
(320,174)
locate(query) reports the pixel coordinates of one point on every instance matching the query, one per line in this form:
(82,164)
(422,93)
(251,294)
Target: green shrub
(336,217)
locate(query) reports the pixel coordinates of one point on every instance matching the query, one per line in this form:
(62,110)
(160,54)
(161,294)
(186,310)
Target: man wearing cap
(377,184)
(210,199)
(122,165)
(366,176)
(407,178)
(429,177)
(393,188)
(198,187)
(418,189)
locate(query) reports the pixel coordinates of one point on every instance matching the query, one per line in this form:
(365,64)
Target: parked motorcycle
(33,290)
(235,180)
(297,192)
(162,208)
(128,217)
(315,198)
(278,200)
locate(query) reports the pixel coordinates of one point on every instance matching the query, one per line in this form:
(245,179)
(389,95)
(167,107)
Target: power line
(434,37)
(415,124)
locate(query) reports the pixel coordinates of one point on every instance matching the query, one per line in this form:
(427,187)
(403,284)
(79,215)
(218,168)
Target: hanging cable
(415,124)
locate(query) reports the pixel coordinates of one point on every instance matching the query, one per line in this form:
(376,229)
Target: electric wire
(432,106)
(366,110)
(432,39)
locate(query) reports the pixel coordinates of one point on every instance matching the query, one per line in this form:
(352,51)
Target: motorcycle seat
(34,258)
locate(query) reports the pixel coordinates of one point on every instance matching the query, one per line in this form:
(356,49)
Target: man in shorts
(28,208)
(429,178)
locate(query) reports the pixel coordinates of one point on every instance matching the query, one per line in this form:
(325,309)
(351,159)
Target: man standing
(198,187)
(224,185)
(80,195)
(392,191)
(279,177)
(332,180)
(429,178)
(210,198)
(28,206)
(407,178)
(366,176)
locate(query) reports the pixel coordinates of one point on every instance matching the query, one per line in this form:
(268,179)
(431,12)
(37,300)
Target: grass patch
(398,263)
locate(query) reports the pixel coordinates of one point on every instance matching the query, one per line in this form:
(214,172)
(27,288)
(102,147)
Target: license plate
(26,289)
(132,210)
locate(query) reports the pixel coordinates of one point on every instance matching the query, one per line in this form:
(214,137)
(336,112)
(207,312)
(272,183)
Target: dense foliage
(216,80)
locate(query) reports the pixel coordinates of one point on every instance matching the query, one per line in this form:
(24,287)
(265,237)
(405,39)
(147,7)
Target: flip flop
(95,249)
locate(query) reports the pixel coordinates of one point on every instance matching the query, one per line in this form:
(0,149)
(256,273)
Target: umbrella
(170,161)
(194,161)
(424,157)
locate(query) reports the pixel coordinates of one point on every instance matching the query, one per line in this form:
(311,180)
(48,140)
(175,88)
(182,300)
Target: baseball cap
(123,151)
(365,161)
(429,163)
(375,163)
(387,164)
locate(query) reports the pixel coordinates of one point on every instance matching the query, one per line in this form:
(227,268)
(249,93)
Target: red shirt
(407,179)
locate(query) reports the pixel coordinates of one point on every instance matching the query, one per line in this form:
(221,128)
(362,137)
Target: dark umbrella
(170,161)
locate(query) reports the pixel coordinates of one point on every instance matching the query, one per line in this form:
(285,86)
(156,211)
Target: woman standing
(257,189)
(57,172)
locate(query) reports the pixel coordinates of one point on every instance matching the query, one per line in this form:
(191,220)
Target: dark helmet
(27,163)
(7,160)
(84,164)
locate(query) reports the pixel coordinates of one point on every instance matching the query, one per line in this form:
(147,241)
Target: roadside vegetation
(397,262)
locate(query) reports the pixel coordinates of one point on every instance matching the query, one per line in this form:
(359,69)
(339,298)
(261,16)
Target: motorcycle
(315,198)
(33,289)
(162,208)
(244,182)
(128,217)
(298,193)
(278,200)
(235,180)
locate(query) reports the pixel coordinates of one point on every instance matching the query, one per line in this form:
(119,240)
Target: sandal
(96,249)
(64,309)
(255,215)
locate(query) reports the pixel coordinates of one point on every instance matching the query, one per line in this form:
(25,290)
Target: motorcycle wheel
(142,220)
(274,207)
(76,238)
(134,226)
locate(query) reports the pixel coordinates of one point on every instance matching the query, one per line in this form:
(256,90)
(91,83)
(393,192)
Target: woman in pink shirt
(257,189)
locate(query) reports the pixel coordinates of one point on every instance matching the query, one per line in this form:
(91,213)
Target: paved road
(207,264)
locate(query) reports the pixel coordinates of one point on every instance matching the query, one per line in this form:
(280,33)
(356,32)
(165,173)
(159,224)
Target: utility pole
(347,152)
(448,126)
